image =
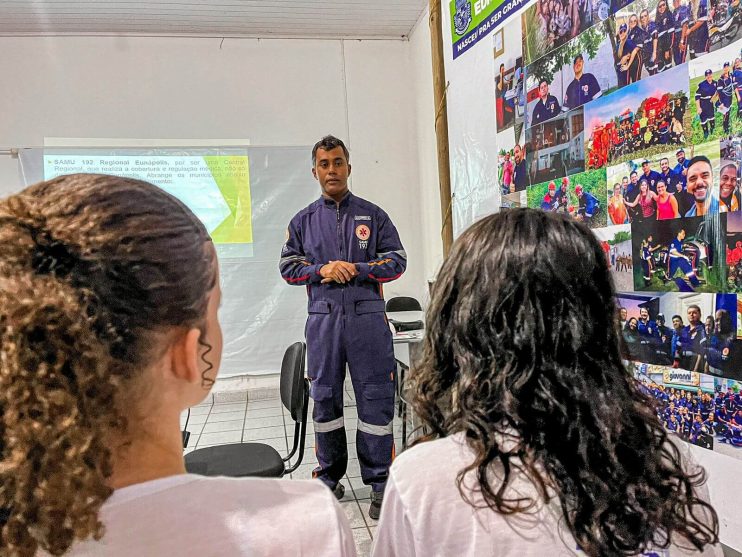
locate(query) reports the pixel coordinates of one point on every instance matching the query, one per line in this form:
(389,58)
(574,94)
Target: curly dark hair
(522,343)
(92,268)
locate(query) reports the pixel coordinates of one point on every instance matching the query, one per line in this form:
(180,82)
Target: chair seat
(236,460)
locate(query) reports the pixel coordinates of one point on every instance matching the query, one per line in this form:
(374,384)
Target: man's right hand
(338,271)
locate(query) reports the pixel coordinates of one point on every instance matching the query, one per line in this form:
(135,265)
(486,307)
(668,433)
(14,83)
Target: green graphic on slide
(232,176)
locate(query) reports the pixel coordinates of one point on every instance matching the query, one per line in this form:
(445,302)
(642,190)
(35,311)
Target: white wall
(274,92)
(425,140)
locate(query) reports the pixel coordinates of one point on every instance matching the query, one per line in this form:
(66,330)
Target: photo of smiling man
(701,187)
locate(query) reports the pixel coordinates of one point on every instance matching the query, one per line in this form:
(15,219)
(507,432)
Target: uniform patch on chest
(363,233)
(361,217)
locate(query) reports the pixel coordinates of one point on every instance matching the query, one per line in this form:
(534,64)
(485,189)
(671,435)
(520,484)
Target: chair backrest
(292,379)
(403,303)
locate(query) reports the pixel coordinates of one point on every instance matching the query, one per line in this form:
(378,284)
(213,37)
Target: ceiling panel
(249,18)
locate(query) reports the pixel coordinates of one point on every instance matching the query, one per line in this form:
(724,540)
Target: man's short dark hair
(694,306)
(699,158)
(676,316)
(328,143)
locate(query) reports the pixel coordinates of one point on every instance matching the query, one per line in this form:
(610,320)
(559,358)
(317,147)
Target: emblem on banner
(462,17)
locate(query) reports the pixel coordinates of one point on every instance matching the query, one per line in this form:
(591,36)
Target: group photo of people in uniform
(580,196)
(667,330)
(697,408)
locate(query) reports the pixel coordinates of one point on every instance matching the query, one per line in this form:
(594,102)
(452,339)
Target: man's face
(331,169)
(543,90)
(677,323)
(694,316)
(699,180)
(645,167)
(623,313)
(709,78)
(681,235)
(517,153)
(644,314)
(634,177)
(625,181)
(681,157)
(728,181)
(664,165)
(579,65)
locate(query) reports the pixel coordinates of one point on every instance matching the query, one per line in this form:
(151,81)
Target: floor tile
(362,539)
(372,531)
(263,404)
(263,433)
(271,421)
(262,412)
(229,407)
(216,427)
(361,491)
(353,513)
(198,411)
(220,437)
(226,416)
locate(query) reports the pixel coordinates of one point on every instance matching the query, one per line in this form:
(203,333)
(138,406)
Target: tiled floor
(266,421)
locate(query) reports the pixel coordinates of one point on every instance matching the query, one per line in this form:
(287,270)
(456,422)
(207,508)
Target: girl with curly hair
(540,441)
(109,290)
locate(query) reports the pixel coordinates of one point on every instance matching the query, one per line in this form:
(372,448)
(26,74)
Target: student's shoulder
(452,451)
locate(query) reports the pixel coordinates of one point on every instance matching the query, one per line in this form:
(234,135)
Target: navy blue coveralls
(347,325)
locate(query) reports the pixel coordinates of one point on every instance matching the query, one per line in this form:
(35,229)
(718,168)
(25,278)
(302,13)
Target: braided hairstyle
(92,268)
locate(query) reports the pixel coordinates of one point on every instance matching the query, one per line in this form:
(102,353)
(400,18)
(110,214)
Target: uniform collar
(343,202)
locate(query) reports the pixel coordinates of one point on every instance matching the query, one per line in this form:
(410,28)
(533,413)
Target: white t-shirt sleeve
(394,535)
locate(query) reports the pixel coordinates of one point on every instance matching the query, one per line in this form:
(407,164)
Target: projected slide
(216,187)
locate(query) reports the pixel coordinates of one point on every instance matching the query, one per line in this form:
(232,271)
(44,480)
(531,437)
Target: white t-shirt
(189,515)
(424,514)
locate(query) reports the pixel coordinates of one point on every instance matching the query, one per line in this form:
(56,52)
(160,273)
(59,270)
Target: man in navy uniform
(651,176)
(698,31)
(681,12)
(667,175)
(520,172)
(343,248)
(681,169)
(737,79)
(589,206)
(688,342)
(705,94)
(725,90)
(583,88)
(547,106)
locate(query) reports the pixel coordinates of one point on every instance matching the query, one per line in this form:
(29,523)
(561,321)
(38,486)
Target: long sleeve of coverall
(294,266)
(391,259)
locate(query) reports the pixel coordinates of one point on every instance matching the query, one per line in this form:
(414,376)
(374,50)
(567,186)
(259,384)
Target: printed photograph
(580,196)
(574,74)
(696,332)
(656,189)
(648,38)
(679,255)
(716,95)
(509,77)
(646,118)
(556,148)
(699,408)
(616,242)
(549,24)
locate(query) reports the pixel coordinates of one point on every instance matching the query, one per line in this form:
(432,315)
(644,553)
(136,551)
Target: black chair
(398,305)
(257,459)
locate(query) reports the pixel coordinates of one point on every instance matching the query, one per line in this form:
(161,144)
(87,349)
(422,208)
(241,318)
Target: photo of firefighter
(642,120)
(716,95)
(548,24)
(616,241)
(510,79)
(557,148)
(572,75)
(581,196)
(645,33)
(657,189)
(703,410)
(679,255)
(695,334)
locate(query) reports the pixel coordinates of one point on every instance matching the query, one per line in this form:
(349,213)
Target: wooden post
(441,124)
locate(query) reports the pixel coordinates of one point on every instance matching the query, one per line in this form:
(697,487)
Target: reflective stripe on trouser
(364,343)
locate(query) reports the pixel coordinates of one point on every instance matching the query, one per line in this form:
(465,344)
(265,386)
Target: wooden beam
(441,124)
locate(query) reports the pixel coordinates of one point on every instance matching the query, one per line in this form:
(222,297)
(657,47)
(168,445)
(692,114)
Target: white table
(413,342)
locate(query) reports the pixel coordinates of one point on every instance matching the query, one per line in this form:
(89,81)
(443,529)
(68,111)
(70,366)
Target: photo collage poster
(628,117)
